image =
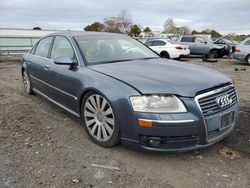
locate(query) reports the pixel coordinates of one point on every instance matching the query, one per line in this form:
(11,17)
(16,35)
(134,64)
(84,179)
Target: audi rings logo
(224,101)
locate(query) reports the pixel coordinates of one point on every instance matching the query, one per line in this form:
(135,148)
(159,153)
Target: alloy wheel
(26,82)
(99,118)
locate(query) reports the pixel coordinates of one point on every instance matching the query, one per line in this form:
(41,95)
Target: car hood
(160,76)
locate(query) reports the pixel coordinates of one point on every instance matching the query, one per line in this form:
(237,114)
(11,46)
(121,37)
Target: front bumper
(179,136)
(239,56)
(181,132)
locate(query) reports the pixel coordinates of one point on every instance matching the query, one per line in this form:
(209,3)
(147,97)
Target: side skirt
(56,103)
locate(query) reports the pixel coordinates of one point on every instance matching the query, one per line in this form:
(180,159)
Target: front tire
(27,83)
(213,54)
(99,120)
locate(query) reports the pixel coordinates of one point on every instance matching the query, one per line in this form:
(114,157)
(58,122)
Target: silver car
(242,51)
(200,45)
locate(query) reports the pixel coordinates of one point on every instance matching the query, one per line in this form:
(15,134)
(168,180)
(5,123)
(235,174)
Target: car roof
(165,40)
(84,33)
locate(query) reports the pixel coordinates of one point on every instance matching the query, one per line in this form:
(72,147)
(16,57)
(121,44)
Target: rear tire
(248,59)
(165,54)
(99,121)
(27,83)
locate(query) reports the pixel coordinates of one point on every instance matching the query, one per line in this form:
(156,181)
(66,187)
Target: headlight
(157,104)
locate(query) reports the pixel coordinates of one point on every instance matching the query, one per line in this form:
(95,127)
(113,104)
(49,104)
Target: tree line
(123,23)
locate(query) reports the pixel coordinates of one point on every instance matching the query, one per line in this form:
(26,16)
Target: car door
(246,47)
(63,79)
(200,46)
(38,63)
(189,41)
(157,45)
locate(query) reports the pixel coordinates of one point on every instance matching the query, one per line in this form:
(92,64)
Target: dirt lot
(42,146)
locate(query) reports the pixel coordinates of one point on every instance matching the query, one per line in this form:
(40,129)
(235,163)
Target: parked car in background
(168,49)
(242,51)
(228,45)
(121,90)
(201,45)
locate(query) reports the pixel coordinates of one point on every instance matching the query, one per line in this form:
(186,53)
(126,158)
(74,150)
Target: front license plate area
(226,119)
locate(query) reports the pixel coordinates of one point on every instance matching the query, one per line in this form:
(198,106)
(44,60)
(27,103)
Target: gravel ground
(42,146)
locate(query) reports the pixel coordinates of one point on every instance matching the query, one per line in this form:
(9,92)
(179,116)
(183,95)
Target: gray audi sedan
(124,92)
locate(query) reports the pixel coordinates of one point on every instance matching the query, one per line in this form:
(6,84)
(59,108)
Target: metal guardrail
(16,45)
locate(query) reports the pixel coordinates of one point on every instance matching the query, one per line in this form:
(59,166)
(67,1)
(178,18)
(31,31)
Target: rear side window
(187,39)
(43,46)
(247,42)
(62,47)
(158,43)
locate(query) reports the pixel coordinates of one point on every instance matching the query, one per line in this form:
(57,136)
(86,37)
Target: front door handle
(46,67)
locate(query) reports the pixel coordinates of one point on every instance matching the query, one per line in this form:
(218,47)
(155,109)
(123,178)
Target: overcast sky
(225,16)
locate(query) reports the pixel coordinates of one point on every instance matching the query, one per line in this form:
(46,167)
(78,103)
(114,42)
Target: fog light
(155,141)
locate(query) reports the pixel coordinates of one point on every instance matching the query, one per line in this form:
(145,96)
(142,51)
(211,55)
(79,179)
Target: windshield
(107,49)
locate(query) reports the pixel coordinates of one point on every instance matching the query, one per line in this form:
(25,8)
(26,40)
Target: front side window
(199,40)
(42,48)
(106,49)
(149,43)
(62,47)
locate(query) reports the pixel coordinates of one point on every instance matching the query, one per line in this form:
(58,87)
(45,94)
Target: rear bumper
(179,53)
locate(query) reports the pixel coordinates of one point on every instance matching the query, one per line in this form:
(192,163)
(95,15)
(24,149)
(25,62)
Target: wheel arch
(87,90)
(218,51)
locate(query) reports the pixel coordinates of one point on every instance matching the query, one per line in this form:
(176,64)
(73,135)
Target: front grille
(209,105)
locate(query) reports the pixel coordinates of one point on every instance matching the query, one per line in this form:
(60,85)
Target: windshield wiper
(114,61)
(123,60)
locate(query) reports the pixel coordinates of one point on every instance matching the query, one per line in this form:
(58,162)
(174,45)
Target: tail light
(179,48)
(237,50)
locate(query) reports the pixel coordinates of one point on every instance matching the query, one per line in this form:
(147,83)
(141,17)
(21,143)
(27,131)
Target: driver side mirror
(65,60)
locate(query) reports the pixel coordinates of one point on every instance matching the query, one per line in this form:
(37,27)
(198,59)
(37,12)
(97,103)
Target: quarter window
(247,42)
(62,47)
(42,48)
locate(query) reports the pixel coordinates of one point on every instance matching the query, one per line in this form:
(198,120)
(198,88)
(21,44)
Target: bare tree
(169,26)
(125,20)
(120,23)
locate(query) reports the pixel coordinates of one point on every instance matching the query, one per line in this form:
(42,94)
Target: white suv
(168,49)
